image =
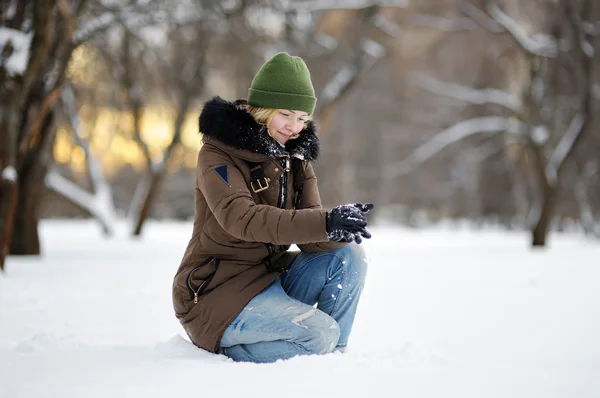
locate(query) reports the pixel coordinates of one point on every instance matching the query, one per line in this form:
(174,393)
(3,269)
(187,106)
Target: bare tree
(548,141)
(36,42)
(185,76)
(98,203)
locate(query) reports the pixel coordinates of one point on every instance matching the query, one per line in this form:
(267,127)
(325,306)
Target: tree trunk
(8,201)
(153,189)
(540,230)
(25,238)
(35,164)
(548,190)
(158,174)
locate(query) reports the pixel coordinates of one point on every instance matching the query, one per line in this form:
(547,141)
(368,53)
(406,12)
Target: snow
(21,42)
(455,133)
(9,174)
(12,10)
(445,313)
(328,42)
(539,44)
(466,93)
(373,48)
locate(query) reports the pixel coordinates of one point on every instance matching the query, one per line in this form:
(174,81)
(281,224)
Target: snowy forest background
(479,110)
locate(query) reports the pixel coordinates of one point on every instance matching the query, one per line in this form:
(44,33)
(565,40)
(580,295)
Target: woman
(238,290)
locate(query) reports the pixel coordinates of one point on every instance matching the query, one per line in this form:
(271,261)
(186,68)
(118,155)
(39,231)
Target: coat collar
(228,123)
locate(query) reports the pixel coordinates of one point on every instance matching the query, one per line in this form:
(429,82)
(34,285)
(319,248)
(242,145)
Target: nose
(294,126)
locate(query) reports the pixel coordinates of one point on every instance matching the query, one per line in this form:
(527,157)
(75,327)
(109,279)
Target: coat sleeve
(229,199)
(311,199)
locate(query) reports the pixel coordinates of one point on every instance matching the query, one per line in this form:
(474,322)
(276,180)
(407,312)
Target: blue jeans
(282,322)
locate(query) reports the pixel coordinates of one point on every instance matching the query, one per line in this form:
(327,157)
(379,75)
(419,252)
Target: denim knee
(355,262)
(323,334)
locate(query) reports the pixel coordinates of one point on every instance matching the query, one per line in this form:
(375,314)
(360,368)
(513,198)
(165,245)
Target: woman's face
(286,123)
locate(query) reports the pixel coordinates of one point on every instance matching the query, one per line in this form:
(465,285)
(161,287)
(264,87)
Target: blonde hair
(265,115)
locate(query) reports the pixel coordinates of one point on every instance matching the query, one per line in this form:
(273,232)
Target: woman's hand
(348,223)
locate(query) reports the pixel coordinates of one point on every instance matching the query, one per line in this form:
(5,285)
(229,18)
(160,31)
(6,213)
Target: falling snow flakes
(9,174)
(16,62)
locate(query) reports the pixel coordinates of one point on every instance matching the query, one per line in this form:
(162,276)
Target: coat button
(276,169)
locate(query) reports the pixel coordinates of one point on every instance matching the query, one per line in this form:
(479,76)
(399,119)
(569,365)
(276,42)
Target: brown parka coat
(242,231)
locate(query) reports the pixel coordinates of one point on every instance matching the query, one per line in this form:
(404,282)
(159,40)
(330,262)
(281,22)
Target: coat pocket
(200,276)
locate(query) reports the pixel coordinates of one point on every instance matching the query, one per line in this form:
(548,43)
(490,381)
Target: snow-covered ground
(446,313)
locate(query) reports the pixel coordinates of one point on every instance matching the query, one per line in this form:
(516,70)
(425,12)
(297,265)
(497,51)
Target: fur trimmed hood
(227,122)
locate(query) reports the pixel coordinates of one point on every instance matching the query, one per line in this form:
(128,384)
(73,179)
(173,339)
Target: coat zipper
(281,203)
(197,292)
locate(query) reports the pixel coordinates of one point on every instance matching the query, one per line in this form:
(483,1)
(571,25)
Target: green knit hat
(283,82)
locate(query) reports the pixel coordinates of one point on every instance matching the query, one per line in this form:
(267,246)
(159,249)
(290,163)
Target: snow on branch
(564,147)
(465,93)
(328,42)
(454,134)
(9,174)
(587,48)
(17,61)
(441,24)
(94,25)
(129,16)
(486,151)
(81,198)
(386,26)
(480,17)
(590,28)
(335,86)
(586,212)
(100,203)
(321,5)
(596,91)
(372,48)
(542,45)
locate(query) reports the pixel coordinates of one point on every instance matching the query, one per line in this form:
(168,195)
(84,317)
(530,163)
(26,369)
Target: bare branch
(564,147)
(80,197)
(454,134)
(486,151)
(372,48)
(583,30)
(328,42)
(387,26)
(542,45)
(596,91)
(586,213)
(131,16)
(439,23)
(480,17)
(465,93)
(336,84)
(320,5)
(100,203)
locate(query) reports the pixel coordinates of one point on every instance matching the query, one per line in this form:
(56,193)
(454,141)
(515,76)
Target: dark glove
(357,237)
(365,208)
(348,223)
